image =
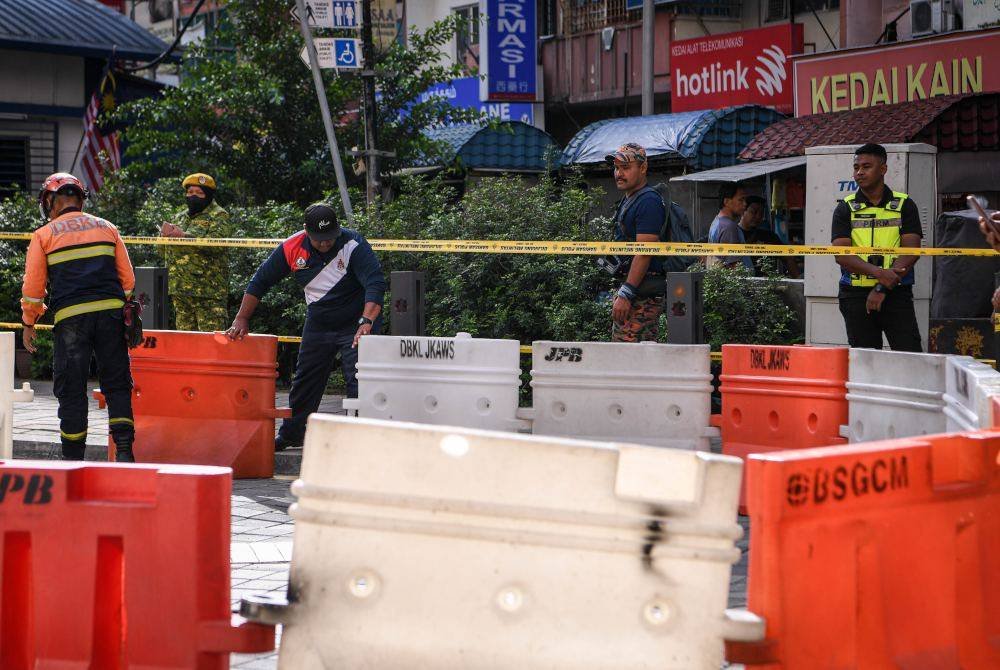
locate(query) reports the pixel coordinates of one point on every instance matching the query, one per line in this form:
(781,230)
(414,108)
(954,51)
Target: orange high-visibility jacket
(84,262)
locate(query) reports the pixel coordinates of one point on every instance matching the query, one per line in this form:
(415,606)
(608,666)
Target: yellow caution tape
(565,248)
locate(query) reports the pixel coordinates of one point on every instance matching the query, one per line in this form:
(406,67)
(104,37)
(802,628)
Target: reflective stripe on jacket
(875,226)
(84,262)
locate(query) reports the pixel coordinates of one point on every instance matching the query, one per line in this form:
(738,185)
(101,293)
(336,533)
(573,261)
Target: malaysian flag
(101,152)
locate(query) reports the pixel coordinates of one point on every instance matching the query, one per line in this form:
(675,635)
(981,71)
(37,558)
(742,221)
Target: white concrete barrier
(433,547)
(894,394)
(969,386)
(9,395)
(647,393)
(455,381)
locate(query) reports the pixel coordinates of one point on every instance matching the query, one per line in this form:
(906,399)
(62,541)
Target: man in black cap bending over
(344,287)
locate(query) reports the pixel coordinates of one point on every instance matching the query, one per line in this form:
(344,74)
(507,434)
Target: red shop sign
(916,70)
(747,67)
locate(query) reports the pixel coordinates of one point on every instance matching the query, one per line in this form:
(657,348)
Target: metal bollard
(151,292)
(408,309)
(684,306)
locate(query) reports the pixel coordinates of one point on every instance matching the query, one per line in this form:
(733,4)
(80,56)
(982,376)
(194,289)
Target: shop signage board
(463,93)
(508,58)
(960,63)
(746,67)
(981,14)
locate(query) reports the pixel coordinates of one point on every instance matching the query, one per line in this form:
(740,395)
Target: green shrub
(741,310)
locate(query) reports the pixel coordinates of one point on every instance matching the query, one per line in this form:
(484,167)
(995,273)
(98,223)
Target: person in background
(876,291)
(753,233)
(639,217)
(198,277)
(344,289)
(725,228)
(993,239)
(83,261)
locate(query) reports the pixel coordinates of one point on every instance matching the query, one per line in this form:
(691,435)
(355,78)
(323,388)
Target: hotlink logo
(771,80)
(715,78)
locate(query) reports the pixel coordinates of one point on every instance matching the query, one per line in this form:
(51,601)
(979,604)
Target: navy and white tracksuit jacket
(337,284)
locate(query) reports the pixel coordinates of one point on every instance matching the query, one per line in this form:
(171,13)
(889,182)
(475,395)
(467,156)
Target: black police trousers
(896,319)
(75,340)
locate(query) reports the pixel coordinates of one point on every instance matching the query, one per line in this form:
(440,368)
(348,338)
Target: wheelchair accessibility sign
(342,53)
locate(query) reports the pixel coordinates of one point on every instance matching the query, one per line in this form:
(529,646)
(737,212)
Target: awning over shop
(701,140)
(77,27)
(744,171)
(512,146)
(950,123)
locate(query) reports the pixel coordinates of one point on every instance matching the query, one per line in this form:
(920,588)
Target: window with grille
(776,10)
(467,39)
(803,6)
(14,165)
(727,9)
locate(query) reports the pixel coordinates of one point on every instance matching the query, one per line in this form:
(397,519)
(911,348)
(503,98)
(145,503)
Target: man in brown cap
(639,217)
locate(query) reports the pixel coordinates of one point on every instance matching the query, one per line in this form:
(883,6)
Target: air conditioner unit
(933,16)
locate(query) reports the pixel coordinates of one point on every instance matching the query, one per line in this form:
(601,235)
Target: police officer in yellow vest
(876,291)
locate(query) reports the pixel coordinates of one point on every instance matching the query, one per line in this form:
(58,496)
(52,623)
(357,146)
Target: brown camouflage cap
(627,153)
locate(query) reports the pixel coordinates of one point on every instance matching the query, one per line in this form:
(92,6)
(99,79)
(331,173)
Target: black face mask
(196,204)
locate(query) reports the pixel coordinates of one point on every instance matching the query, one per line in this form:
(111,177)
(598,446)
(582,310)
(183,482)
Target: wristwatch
(363,320)
(879,288)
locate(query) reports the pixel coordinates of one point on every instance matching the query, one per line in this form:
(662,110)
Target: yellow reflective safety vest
(875,226)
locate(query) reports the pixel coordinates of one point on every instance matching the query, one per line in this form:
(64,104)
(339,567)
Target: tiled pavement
(262,530)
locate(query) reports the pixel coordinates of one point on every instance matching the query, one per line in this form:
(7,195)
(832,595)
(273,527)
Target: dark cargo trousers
(896,319)
(75,340)
(317,354)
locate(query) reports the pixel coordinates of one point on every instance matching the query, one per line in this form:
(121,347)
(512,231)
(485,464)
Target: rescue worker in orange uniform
(83,261)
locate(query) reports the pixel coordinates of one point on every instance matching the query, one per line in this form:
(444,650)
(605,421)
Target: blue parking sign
(347,52)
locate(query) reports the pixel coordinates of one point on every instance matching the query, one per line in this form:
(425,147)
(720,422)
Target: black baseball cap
(321,222)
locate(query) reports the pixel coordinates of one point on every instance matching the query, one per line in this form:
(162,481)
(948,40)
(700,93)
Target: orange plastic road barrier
(110,567)
(776,398)
(204,399)
(877,555)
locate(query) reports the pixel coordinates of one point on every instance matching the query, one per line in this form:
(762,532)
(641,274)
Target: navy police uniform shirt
(337,284)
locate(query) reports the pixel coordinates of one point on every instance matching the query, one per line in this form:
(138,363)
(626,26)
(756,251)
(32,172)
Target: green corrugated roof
(512,145)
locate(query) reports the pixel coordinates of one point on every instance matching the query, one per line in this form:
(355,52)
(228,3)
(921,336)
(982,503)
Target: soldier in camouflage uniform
(199,276)
(639,217)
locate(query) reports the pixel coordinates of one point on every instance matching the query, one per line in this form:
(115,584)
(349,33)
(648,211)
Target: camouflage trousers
(642,323)
(200,314)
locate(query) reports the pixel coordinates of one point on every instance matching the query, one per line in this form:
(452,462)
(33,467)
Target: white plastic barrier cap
(432,547)
(646,393)
(894,394)
(968,387)
(455,381)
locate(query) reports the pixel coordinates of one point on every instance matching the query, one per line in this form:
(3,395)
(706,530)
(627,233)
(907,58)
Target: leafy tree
(250,116)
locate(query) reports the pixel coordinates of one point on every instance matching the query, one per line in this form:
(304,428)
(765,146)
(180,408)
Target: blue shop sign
(509,46)
(463,93)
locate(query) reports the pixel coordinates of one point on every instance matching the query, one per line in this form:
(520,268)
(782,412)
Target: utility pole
(324,108)
(368,77)
(648,13)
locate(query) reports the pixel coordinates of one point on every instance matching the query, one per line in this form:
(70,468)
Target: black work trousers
(317,353)
(896,319)
(75,340)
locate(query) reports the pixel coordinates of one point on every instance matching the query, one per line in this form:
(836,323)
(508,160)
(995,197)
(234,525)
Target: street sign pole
(371,115)
(324,108)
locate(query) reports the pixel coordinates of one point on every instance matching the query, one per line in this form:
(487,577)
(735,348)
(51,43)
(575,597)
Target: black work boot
(123,453)
(73,451)
(281,443)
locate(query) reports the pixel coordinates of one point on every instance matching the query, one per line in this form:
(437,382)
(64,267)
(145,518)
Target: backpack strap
(620,215)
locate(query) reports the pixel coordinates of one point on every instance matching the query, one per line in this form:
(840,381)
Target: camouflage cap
(627,153)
